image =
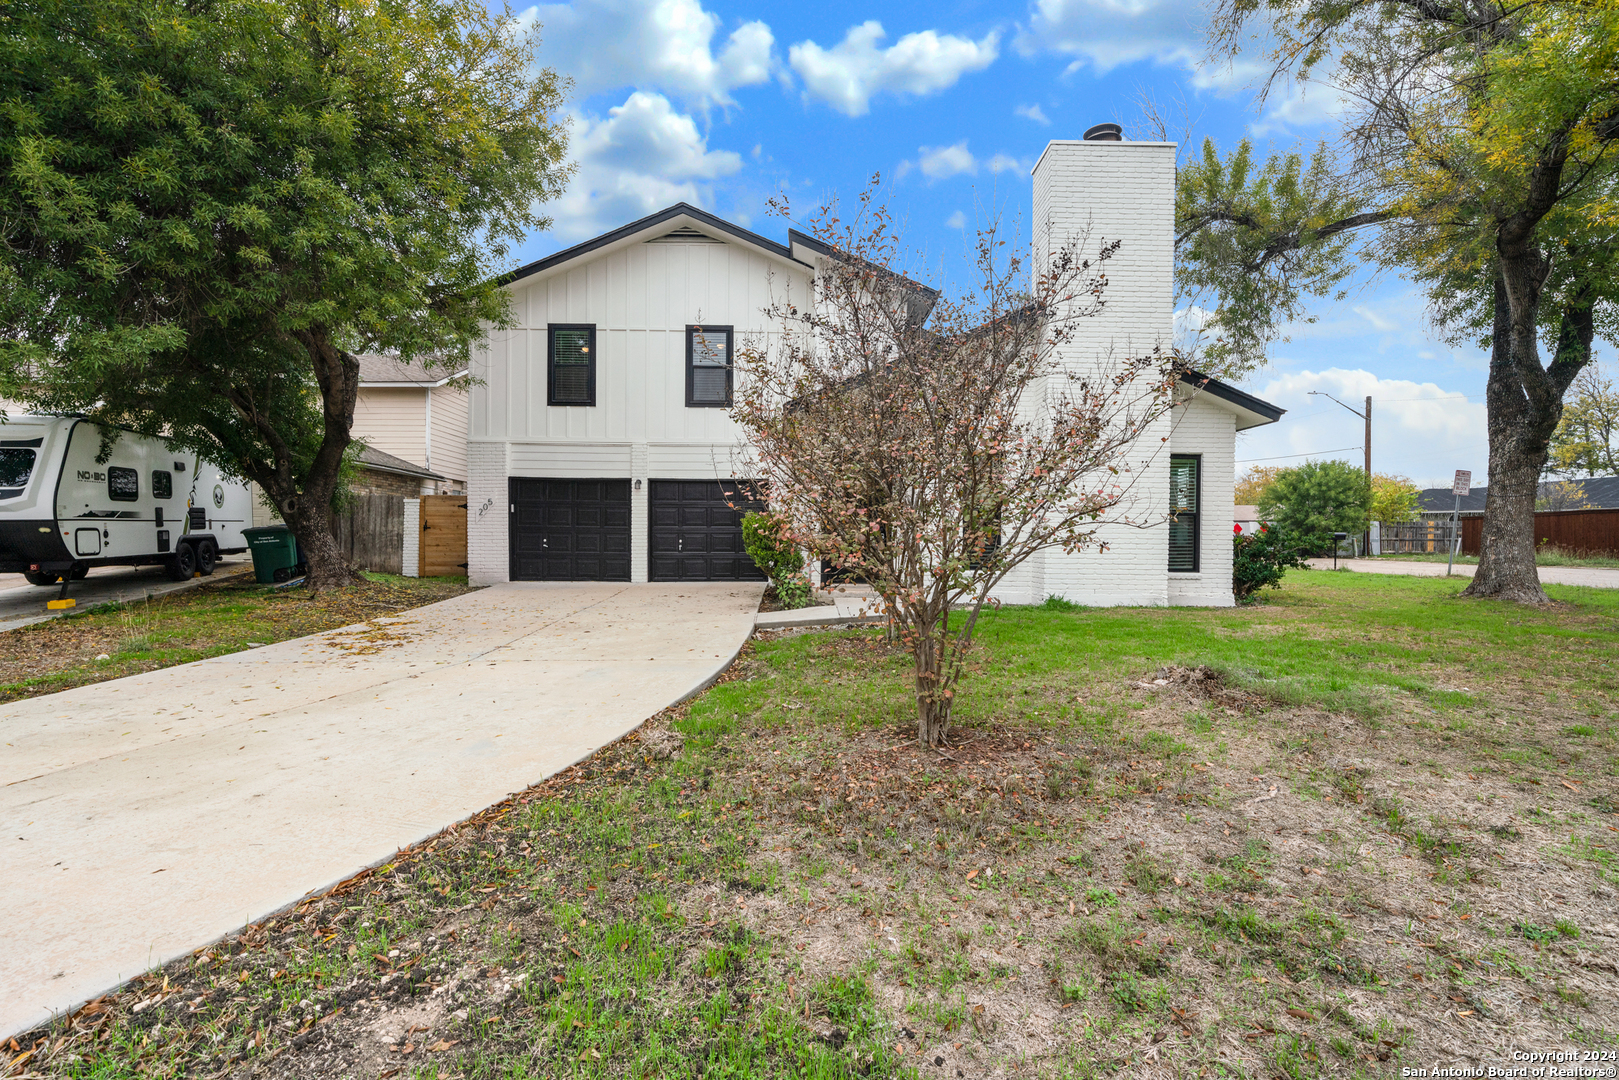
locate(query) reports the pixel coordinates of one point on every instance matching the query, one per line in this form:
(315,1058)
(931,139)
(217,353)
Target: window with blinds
(571,378)
(1183,512)
(708,366)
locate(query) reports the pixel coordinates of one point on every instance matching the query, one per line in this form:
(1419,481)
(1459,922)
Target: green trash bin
(275,553)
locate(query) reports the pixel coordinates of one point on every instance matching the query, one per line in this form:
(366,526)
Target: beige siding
(449,457)
(393,420)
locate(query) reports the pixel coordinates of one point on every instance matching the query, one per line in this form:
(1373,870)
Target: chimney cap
(1104,133)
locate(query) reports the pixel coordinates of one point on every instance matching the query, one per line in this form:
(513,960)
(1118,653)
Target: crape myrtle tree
(1478,157)
(208,208)
(929,445)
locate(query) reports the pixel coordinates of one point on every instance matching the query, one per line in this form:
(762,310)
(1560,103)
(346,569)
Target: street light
(1366,416)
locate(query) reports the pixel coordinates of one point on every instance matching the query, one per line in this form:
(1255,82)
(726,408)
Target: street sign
(1463,484)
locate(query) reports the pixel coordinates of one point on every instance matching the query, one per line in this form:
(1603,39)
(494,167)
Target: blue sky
(725,104)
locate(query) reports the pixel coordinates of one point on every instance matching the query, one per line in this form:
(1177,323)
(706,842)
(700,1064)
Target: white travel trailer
(63,511)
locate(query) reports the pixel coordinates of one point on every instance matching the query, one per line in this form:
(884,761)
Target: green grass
(802,893)
(1361,644)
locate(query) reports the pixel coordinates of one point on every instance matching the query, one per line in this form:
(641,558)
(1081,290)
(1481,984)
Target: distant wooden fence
(443,547)
(371,533)
(1595,532)
(1413,537)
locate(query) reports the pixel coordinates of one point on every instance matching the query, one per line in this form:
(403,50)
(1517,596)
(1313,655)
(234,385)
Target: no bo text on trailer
(63,511)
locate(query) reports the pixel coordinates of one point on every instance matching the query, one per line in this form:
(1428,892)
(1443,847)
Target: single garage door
(570,530)
(696,530)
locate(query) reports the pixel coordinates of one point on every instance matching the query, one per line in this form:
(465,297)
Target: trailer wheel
(80,572)
(183,564)
(39,577)
(207,556)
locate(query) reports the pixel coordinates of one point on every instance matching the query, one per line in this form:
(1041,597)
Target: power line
(1294,455)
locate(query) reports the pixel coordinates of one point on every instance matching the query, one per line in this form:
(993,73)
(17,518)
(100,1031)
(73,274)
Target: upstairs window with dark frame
(571,364)
(1185,482)
(708,366)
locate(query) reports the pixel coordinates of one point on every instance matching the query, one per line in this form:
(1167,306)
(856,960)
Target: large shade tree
(209,208)
(929,445)
(1479,157)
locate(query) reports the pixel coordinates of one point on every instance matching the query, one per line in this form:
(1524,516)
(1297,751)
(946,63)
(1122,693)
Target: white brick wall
(412,559)
(488,562)
(1117,191)
(1204,428)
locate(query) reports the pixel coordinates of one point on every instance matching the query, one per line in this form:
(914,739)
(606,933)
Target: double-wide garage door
(579,530)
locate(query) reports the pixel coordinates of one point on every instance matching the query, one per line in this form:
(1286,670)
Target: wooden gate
(443,547)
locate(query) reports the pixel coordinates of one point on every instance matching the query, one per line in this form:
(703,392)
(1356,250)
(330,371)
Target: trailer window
(123,485)
(16,466)
(162,484)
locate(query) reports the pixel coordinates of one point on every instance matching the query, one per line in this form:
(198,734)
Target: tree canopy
(210,208)
(1479,158)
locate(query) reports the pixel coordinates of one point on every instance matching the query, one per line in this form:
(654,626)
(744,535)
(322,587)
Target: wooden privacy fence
(1594,532)
(371,533)
(1412,537)
(443,547)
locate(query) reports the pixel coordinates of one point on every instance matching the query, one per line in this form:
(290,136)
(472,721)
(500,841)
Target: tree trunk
(932,707)
(1506,565)
(1524,403)
(305,502)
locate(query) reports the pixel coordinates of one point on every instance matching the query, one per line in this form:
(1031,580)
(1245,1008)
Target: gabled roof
(381,369)
(1598,492)
(646,224)
(1256,411)
(372,458)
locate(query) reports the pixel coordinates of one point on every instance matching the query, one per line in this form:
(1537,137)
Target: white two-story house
(600,446)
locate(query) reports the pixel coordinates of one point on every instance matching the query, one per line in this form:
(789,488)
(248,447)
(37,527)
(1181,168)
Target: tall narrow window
(571,364)
(1183,512)
(708,366)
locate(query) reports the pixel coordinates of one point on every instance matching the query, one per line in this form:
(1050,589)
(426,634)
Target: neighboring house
(416,415)
(600,444)
(1587,493)
(384,474)
(1246,519)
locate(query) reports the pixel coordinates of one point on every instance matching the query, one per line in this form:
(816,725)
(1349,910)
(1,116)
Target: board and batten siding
(1203,427)
(640,298)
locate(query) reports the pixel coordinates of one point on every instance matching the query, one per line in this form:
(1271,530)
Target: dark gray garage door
(570,530)
(696,532)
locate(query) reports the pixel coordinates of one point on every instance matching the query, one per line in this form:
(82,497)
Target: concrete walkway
(848,605)
(1594,576)
(149,816)
(22,604)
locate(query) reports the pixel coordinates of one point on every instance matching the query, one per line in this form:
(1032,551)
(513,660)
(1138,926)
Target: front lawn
(1364,825)
(227,614)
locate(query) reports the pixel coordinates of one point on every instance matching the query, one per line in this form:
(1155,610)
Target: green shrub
(777,557)
(1260,560)
(1312,501)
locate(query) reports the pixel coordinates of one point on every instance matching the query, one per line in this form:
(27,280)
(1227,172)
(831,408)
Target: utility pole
(1367,416)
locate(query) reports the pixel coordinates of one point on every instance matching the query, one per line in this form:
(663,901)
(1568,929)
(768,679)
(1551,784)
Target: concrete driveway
(1595,576)
(148,816)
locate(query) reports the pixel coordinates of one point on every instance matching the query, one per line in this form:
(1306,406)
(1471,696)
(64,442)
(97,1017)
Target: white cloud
(1106,33)
(642,157)
(1007,163)
(1419,429)
(958,220)
(665,45)
(942,162)
(850,73)
(1032,112)
(1377,321)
